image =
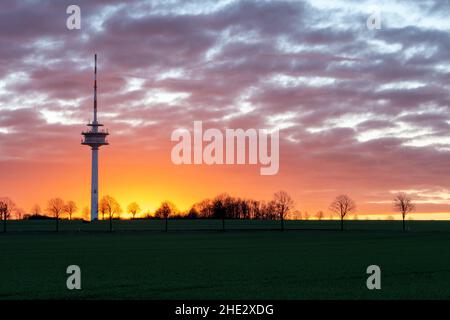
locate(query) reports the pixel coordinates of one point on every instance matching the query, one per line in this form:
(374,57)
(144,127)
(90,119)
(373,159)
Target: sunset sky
(361,112)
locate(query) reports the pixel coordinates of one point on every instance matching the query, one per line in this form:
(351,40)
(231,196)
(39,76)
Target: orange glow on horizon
(148,177)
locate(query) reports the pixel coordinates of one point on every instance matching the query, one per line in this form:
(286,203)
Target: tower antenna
(95,89)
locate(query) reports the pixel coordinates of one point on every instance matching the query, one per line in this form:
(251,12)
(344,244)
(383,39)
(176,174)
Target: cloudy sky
(362,112)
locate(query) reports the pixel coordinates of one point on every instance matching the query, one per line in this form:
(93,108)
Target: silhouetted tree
(306,215)
(255,209)
(148,214)
(86,214)
(102,209)
(20,213)
(269,210)
(342,205)
(6,209)
(193,213)
(111,207)
(219,207)
(36,210)
(205,208)
(133,209)
(319,215)
(56,207)
(244,209)
(165,210)
(297,215)
(283,205)
(70,208)
(403,203)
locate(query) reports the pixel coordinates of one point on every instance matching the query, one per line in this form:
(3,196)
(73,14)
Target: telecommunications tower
(94,138)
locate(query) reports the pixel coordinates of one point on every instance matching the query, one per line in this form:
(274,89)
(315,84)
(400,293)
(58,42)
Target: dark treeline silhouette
(37,217)
(222,207)
(225,206)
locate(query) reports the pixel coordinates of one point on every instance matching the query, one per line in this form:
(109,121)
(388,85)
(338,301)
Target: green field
(195,261)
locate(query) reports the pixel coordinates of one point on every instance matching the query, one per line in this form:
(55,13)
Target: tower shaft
(94,185)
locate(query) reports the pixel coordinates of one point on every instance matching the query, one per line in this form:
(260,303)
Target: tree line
(221,207)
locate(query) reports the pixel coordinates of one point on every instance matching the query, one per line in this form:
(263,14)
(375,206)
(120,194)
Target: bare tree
(111,207)
(56,207)
(102,208)
(319,215)
(36,210)
(86,213)
(165,210)
(305,215)
(148,214)
(6,209)
(133,209)
(192,213)
(269,210)
(403,203)
(205,208)
(297,215)
(20,213)
(342,205)
(283,205)
(220,207)
(70,208)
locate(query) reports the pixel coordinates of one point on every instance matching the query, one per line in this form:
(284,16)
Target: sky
(361,111)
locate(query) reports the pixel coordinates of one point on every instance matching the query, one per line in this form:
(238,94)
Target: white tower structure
(94,138)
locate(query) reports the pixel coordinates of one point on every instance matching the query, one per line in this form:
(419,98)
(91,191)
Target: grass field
(194,261)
